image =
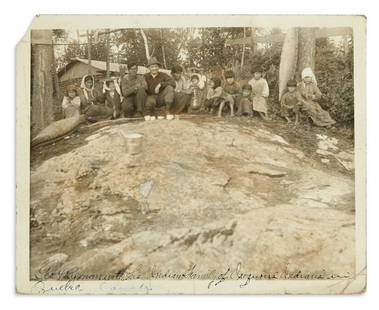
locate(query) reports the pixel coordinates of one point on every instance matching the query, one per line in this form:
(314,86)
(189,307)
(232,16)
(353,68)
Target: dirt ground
(222,190)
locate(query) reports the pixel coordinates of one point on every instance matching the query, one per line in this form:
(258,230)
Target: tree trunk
(307,49)
(253,43)
(146,44)
(42,109)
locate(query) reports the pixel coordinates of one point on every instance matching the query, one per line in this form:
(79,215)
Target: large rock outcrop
(210,194)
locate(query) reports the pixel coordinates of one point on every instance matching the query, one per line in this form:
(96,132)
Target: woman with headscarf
(310,93)
(86,92)
(92,100)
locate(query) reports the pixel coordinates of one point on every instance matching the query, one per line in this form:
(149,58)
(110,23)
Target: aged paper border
(23,70)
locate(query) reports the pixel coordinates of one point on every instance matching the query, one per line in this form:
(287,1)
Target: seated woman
(92,100)
(71,103)
(310,93)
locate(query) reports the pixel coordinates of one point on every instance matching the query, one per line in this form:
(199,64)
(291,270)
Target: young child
(71,103)
(196,101)
(214,94)
(260,92)
(310,93)
(290,102)
(231,87)
(245,106)
(113,97)
(216,97)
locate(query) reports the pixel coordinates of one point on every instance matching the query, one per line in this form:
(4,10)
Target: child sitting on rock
(290,102)
(113,97)
(231,88)
(216,97)
(71,103)
(245,106)
(196,101)
(260,92)
(214,94)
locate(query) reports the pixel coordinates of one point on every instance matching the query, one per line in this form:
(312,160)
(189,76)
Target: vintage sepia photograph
(218,154)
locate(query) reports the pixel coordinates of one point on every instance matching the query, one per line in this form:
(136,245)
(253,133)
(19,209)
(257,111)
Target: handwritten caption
(69,278)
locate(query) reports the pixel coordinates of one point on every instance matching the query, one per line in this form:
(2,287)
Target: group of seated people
(135,95)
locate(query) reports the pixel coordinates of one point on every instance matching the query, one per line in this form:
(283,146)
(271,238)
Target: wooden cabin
(73,72)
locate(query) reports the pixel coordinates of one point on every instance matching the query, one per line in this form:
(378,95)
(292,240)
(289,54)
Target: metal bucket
(134,143)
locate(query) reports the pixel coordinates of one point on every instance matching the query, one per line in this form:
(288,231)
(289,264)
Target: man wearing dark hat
(133,88)
(160,88)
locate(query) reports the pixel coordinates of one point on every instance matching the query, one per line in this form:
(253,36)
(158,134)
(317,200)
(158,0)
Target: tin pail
(134,143)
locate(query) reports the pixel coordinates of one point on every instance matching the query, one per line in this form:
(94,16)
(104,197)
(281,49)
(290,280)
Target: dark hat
(291,83)
(153,61)
(247,87)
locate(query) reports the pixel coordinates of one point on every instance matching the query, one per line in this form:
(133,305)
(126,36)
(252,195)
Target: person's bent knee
(150,103)
(127,107)
(169,88)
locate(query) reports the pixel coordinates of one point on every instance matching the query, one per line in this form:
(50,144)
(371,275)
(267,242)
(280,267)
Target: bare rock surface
(209,194)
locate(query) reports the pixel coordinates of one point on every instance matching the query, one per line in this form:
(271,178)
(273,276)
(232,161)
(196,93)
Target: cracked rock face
(210,194)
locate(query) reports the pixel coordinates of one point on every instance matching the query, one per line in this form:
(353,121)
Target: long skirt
(319,116)
(260,104)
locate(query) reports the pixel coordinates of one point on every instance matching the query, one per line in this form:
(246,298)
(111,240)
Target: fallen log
(114,122)
(58,130)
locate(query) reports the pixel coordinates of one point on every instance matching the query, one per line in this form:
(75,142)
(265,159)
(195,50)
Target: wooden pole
(243,49)
(107,54)
(89,40)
